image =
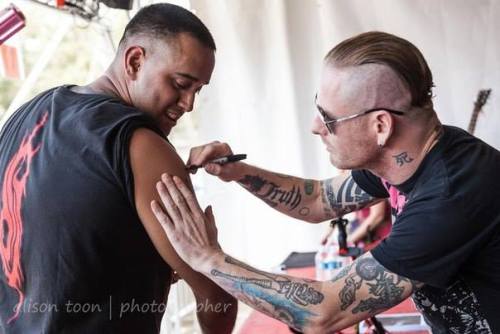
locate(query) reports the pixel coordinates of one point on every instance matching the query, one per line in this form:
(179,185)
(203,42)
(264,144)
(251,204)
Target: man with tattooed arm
(376,118)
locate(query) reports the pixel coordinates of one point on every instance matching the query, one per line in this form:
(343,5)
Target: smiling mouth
(172,116)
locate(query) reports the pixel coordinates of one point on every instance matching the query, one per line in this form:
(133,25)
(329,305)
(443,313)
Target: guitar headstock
(482,97)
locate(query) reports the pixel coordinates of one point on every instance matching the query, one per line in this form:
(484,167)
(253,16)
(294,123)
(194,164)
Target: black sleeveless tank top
(75,257)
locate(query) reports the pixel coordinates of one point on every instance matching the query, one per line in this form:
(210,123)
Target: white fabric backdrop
(261,96)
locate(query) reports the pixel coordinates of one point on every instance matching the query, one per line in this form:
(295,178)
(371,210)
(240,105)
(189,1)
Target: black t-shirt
(446,233)
(75,256)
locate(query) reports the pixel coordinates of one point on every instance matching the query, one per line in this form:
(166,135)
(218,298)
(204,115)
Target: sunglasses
(330,122)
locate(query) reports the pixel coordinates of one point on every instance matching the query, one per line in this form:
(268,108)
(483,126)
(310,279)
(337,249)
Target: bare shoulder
(147,148)
(341,195)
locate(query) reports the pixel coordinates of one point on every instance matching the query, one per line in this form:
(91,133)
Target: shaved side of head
(372,85)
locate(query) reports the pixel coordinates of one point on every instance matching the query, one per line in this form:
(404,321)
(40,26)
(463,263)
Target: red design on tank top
(11,229)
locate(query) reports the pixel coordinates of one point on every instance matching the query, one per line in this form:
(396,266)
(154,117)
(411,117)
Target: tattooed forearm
(272,193)
(304,211)
(276,295)
(309,187)
(348,293)
(402,158)
(342,273)
(414,284)
(283,176)
(300,292)
(349,196)
(386,294)
(385,289)
(253,183)
(368,269)
(324,200)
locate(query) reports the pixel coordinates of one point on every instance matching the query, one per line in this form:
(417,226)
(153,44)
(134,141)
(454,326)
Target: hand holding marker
(220,161)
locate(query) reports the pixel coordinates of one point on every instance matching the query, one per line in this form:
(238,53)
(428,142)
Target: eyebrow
(189,76)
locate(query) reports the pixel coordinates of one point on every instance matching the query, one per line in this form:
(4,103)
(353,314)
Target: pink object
(11,21)
(398,199)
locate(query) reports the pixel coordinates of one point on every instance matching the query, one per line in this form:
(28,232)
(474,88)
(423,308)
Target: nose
(318,127)
(186,101)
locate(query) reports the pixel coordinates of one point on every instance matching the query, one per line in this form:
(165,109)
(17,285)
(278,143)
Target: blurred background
(261,97)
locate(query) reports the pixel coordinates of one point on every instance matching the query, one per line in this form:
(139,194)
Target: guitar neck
(482,97)
(473,120)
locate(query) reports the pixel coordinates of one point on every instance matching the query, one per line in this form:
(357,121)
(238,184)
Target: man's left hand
(191,231)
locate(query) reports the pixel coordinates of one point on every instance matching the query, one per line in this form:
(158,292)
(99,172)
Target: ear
(384,125)
(134,60)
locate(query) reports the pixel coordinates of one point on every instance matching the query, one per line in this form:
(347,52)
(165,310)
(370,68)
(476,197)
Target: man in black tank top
(81,251)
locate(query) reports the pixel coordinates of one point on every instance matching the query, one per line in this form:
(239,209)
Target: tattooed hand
(201,155)
(191,231)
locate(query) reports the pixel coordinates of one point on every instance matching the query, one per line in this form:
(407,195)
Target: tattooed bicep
(341,195)
(366,286)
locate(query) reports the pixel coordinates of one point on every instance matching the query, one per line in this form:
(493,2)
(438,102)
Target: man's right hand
(201,155)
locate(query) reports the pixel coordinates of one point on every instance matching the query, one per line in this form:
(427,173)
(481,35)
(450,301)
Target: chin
(337,163)
(166,127)
(166,130)
(334,162)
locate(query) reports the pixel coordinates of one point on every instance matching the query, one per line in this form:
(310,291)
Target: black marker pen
(221,161)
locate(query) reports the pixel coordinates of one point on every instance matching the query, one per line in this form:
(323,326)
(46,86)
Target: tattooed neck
(402,158)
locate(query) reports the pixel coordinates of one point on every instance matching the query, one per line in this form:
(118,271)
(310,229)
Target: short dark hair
(399,54)
(164,20)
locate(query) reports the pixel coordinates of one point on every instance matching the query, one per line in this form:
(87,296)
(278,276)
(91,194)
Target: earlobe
(384,127)
(381,135)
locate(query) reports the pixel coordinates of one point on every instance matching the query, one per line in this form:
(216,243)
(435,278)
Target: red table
(259,323)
